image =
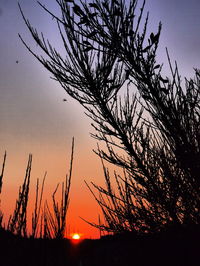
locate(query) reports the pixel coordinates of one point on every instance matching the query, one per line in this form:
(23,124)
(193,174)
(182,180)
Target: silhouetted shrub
(45,222)
(152,133)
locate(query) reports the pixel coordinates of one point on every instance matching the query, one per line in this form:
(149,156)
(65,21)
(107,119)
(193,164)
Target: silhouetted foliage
(17,223)
(2,171)
(152,132)
(1,183)
(37,209)
(47,223)
(55,221)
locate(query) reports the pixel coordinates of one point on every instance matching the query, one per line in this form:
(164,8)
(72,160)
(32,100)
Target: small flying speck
(17,61)
(64,100)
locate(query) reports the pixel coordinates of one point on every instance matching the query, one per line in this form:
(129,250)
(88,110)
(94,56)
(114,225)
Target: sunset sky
(35,119)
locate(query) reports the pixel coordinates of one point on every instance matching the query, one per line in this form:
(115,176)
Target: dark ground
(175,247)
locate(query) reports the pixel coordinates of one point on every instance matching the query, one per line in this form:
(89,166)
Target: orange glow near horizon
(81,202)
(76,238)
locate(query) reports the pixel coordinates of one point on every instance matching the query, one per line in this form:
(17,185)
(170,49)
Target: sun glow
(76,236)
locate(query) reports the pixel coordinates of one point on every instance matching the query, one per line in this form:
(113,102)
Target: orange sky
(56,163)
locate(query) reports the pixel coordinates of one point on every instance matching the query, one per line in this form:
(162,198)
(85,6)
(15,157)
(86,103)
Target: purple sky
(27,92)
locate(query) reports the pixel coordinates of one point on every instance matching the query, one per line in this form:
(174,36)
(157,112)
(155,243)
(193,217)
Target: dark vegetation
(149,126)
(173,247)
(152,132)
(47,223)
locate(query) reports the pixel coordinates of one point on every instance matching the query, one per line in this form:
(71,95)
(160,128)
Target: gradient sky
(34,119)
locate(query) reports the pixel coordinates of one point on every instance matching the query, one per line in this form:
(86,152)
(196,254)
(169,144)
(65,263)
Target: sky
(35,119)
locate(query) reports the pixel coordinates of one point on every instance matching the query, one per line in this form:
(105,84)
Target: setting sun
(76,236)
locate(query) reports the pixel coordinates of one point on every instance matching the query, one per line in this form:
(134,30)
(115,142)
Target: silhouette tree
(152,131)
